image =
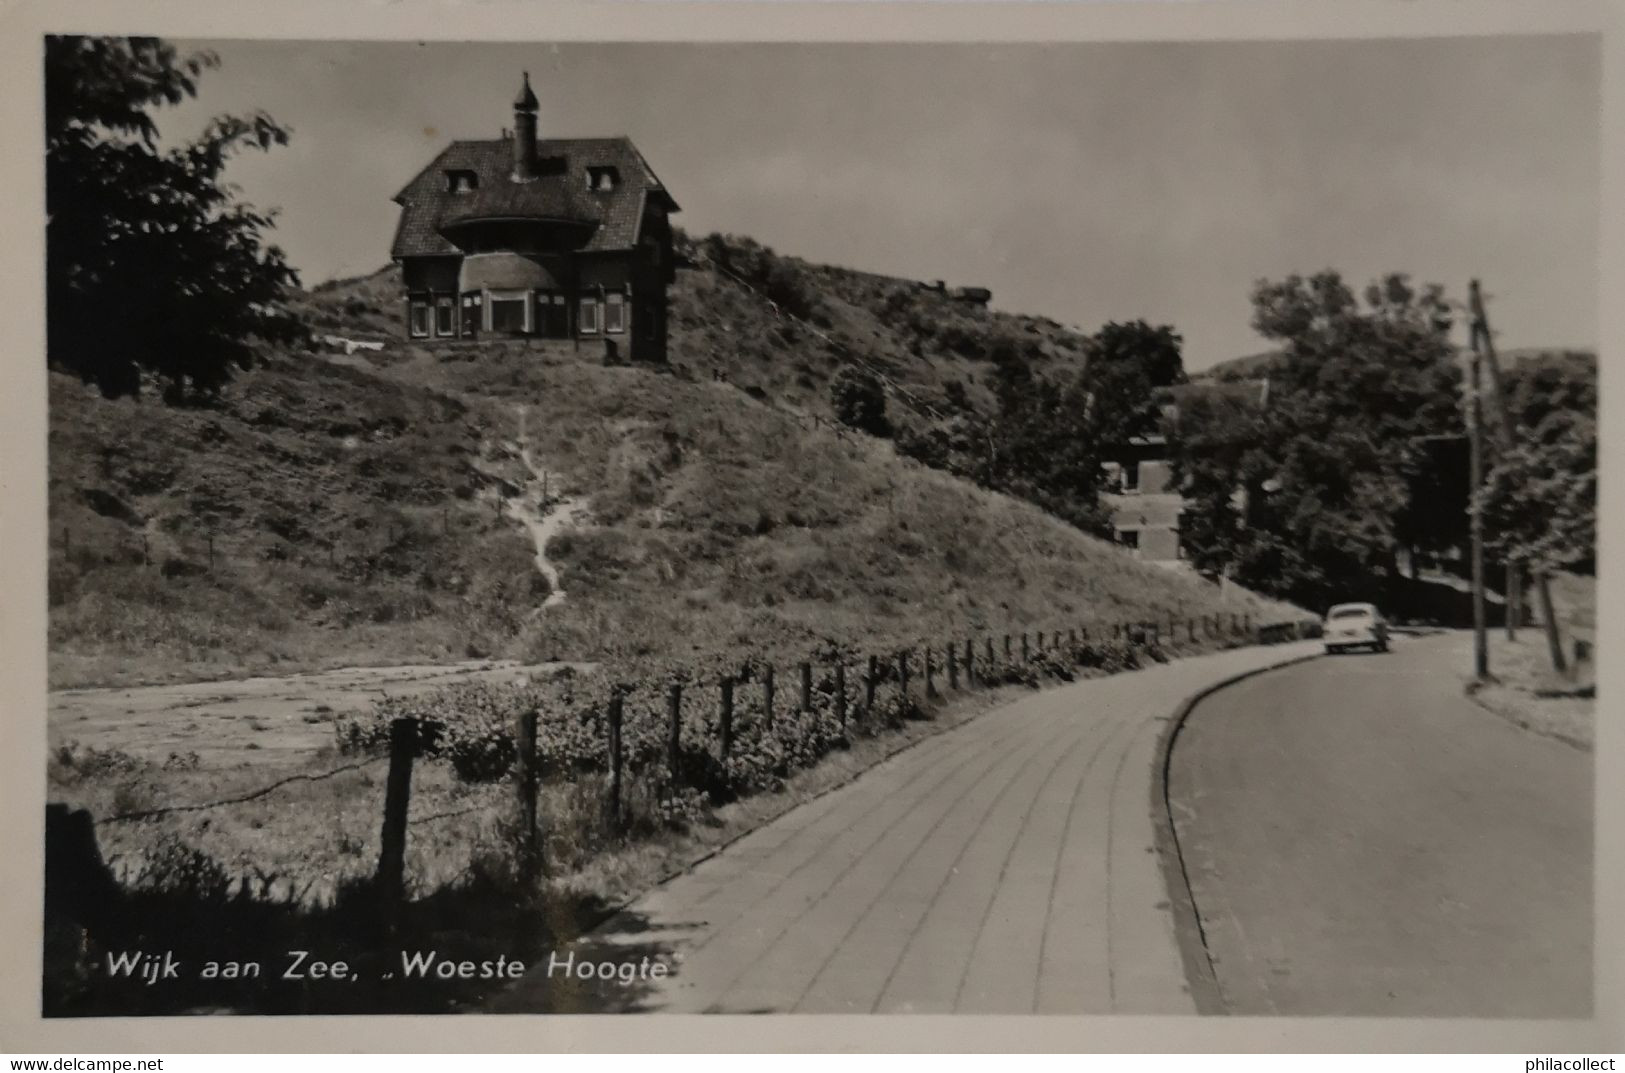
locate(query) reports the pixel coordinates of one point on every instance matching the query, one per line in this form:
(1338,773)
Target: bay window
(510,311)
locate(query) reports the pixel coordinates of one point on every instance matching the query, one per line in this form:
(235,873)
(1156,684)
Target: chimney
(524,134)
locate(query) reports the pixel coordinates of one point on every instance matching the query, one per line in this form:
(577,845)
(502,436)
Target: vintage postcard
(935,519)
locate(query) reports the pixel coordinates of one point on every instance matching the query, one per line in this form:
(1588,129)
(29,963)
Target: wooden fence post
(806,686)
(528,782)
(953,668)
(902,674)
(989,668)
(1190,628)
(869,683)
(1026,654)
(767,694)
(1072,638)
(930,674)
(1007,647)
(403,743)
(840,692)
(726,718)
(674,713)
(616,700)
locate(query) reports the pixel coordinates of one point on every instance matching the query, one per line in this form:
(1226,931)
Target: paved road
(1364,840)
(1004,866)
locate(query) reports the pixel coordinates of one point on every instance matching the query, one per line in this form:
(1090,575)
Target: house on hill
(1145,506)
(530,237)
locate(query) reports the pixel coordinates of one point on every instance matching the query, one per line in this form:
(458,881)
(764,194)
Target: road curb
(1200,977)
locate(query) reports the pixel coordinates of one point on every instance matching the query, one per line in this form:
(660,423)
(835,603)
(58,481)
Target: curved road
(1362,839)
(1006,865)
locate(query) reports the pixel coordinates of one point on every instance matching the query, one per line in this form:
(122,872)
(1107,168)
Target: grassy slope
(1526,690)
(350,499)
(346,519)
(720,521)
(919,339)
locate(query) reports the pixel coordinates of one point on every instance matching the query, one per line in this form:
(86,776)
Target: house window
(1131,476)
(603,180)
(615,312)
(552,315)
(445,316)
(418,318)
(1129,538)
(589,315)
(461,182)
(510,312)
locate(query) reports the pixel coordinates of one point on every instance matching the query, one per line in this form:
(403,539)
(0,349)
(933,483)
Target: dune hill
(384,506)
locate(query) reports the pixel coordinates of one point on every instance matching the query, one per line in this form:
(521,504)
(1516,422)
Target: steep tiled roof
(560,193)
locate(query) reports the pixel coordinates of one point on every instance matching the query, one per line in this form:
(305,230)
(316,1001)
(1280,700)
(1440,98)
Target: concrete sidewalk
(1006,865)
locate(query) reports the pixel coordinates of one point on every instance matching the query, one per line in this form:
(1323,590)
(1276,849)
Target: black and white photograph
(886,527)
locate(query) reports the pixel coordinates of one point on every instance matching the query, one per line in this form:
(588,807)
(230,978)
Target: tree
(152,265)
(1322,485)
(1153,351)
(1050,436)
(1540,497)
(859,400)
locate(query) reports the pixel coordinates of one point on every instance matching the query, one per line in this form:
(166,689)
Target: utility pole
(1513,606)
(1475,467)
(1543,588)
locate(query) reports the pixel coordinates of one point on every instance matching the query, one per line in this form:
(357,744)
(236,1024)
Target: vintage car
(1355,626)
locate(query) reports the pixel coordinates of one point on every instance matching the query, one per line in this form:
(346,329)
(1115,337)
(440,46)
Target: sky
(1083,181)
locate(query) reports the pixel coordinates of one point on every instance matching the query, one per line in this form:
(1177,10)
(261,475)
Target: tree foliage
(153,265)
(1540,497)
(1049,437)
(1312,496)
(859,400)
(1153,354)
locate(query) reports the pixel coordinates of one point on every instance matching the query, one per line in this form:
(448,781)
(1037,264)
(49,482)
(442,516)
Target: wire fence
(662,740)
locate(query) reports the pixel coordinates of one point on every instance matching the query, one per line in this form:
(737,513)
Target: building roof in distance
(560,192)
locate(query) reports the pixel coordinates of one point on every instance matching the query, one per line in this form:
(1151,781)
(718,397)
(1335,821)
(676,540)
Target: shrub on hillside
(859,401)
(782,280)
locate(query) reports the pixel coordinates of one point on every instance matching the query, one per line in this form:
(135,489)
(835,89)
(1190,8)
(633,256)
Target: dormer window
(602,180)
(461,182)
